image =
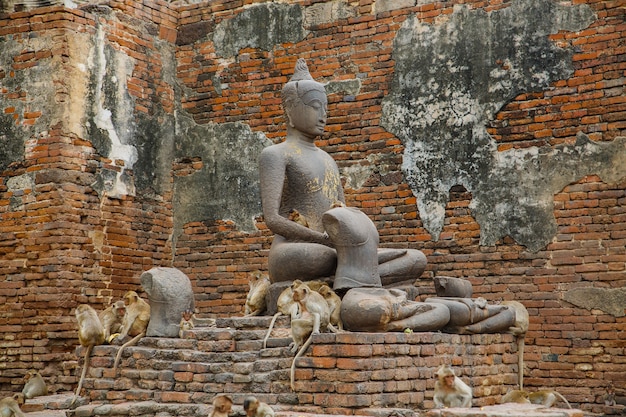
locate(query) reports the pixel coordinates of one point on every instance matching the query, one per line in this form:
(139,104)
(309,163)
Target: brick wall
(341,373)
(60,245)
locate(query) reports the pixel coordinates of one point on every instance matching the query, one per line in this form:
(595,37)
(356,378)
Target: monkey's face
(448,380)
(300,293)
(130,298)
(187,315)
(120,310)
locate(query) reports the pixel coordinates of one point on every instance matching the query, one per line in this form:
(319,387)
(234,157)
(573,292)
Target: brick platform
(339,374)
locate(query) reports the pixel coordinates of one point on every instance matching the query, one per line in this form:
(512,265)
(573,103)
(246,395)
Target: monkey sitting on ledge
(543,397)
(450,391)
(256,408)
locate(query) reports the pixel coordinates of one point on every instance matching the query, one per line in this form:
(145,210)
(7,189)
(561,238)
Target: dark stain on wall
(260,26)
(451,79)
(225,186)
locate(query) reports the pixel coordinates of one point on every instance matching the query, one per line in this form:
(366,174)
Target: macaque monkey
(286,307)
(135,322)
(543,397)
(111,319)
(186,322)
(547,398)
(313,311)
(334,304)
(90,334)
(311,303)
(295,216)
(222,405)
(255,301)
(609,396)
(10,406)
(256,408)
(35,386)
(450,391)
(519,329)
(515,396)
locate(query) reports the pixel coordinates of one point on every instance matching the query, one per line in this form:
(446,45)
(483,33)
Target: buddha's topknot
(301,71)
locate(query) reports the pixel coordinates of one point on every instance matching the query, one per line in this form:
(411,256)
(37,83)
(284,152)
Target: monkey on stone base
(334,303)
(450,391)
(35,386)
(10,406)
(111,319)
(186,322)
(255,301)
(256,408)
(90,334)
(222,405)
(543,397)
(313,312)
(295,216)
(519,329)
(609,396)
(286,306)
(135,322)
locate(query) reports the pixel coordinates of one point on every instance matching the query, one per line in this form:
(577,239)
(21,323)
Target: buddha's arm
(272,168)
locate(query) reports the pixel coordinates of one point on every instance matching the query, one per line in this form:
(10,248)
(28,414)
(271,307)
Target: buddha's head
(304,99)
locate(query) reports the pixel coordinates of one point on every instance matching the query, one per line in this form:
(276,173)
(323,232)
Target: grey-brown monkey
(256,408)
(10,406)
(135,322)
(90,334)
(35,386)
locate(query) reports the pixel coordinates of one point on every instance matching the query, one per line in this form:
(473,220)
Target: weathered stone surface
(609,300)
(226,185)
(451,79)
(14,131)
(382,6)
(260,26)
(328,12)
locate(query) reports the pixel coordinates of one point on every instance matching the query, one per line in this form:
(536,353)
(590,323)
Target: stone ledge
(506,410)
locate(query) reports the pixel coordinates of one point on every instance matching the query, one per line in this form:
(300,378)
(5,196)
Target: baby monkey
(295,216)
(222,405)
(186,322)
(450,391)
(256,408)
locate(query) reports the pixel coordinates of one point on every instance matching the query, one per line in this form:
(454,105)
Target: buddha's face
(308,113)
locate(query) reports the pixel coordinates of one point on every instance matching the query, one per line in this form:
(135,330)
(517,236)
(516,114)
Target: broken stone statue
(329,239)
(169,294)
(297,176)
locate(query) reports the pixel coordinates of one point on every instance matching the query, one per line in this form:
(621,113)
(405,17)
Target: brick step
(343,373)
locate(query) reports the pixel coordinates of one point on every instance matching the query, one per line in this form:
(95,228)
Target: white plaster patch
(103,119)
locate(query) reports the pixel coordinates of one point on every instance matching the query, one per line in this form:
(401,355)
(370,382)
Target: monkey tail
(520,361)
(83,374)
(131,342)
(562,398)
(300,352)
(269,330)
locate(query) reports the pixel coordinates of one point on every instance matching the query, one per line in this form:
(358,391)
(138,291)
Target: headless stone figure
(297,175)
(330,240)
